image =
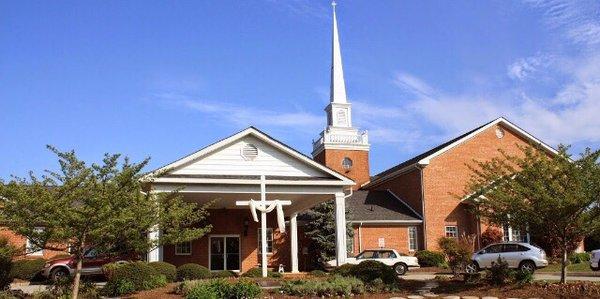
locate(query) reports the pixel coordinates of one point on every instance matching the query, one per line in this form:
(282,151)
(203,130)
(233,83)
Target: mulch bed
(537,290)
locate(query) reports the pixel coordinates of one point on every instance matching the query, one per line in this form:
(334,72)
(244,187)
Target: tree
(320,230)
(549,195)
(103,206)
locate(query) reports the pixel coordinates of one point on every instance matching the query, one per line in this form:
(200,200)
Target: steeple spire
(338,86)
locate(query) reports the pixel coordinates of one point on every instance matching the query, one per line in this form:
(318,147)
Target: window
(514,235)
(494,249)
(412,238)
(451,231)
(387,255)
(366,255)
(341,118)
(269,241)
(31,248)
(184,248)
(347,163)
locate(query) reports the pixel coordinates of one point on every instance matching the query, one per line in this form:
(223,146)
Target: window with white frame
(269,241)
(514,235)
(451,231)
(31,248)
(412,238)
(184,248)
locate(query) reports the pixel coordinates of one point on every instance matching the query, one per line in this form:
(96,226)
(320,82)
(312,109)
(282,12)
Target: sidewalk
(593,277)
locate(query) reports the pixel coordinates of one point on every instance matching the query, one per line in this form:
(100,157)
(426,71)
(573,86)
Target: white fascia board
(386,221)
(247,182)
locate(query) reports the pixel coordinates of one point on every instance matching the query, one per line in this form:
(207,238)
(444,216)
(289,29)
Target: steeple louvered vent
(249,152)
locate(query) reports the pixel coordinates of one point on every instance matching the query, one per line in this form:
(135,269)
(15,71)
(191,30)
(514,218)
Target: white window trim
(183,253)
(225,252)
(29,245)
(269,229)
(510,235)
(416,238)
(446,231)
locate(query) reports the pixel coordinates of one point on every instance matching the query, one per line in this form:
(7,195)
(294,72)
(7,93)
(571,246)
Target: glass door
(225,253)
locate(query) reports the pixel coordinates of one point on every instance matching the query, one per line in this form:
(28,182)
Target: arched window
(347,163)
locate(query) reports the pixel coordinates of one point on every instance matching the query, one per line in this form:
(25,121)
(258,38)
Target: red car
(92,264)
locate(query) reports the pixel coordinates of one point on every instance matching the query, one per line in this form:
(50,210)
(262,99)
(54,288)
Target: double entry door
(224,253)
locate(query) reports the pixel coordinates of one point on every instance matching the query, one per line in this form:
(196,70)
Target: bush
(63,289)
(7,252)
(166,269)
(318,273)
(223,274)
(27,269)
(257,272)
(343,270)
(524,277)
(368,271)
(491,235)
(136,276)
(576,258)
(430,258)
(192,271)
(219,288)
(109,269)
(499,273)
(334,286)
(458,252)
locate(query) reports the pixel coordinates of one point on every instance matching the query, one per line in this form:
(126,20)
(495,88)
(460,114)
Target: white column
(263,227)
(294,242)
(340,228)
(156,254)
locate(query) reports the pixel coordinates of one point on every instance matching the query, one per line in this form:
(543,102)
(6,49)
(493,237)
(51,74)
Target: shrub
(219,288)
(576,258)
(524,277)
(368,271)
(166,269)
(109,269)
(430,258)
(343,270)
(334,286)
(136,276)
(458,252)
(192,271)
(223,274)
(7,252)
(244,288)
(491,235)
(27,269)
(499,273)
(63,289)
(257,272)
(318,273)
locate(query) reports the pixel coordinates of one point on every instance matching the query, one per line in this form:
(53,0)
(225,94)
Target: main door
(225,253)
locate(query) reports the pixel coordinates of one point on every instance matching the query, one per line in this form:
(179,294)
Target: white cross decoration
(265,206)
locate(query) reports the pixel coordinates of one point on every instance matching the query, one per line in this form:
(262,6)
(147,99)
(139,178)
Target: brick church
(407,207)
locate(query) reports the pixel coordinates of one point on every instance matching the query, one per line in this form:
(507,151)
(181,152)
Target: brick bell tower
(341,146)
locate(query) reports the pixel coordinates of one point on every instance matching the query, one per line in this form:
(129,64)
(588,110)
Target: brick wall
(359,172)
(395,237)
(447,175)
(20,242)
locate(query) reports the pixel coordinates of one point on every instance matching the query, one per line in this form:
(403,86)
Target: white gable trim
(501,120)
(404,203)
(261,136)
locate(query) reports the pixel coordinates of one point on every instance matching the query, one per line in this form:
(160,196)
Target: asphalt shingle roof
(381,205)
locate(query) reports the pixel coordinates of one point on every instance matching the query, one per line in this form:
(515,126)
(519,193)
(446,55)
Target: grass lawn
(581,267)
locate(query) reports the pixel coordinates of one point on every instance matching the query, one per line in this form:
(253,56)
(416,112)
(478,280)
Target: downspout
(421,165)
(359,238)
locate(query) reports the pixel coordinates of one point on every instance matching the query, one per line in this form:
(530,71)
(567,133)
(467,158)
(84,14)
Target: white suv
(595,260)
(522,256)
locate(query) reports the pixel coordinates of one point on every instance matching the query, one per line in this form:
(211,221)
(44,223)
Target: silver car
(595,260)
(522,256)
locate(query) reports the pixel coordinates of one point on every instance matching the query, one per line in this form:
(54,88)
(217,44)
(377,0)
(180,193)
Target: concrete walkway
(538,276)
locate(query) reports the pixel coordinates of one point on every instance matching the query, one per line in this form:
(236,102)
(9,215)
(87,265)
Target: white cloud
(304,8)
(526,67)
(412,84)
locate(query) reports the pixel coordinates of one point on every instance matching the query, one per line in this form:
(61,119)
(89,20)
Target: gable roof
(424,158)
(254,132)
(379,206)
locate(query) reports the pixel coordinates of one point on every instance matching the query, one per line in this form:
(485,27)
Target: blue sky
(163,79)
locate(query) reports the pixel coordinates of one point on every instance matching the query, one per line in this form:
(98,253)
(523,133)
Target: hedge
(334,286)
(223,274)
(219,289)
(27,269)
(166,269)
(431,258)
(192,271)
(257,272)
(576,258)
(368,271)
(130,277)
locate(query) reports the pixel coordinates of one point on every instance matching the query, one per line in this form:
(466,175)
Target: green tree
(320,230)
(104,206)
(549,195)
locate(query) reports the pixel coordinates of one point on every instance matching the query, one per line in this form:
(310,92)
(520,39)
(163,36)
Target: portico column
(156,254)
(294,242)
(340,228)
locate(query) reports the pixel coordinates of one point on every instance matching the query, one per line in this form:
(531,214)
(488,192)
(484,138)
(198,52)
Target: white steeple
(339,133)
(338,86)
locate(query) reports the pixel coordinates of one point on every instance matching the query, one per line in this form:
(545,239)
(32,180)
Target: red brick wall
(395,237)
(20,242)
(447,175)
(231,222)
(359,172)
(407,186)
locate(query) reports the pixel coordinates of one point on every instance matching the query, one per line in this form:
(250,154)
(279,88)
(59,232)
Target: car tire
(472,268)
(527,266)
(59,273)
(400,268)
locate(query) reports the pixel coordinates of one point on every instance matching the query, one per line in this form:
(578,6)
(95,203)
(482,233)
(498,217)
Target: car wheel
(472,268)
(59,274)
(400,268)
(527,266)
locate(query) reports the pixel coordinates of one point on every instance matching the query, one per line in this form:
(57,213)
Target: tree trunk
(563,268)
(77,277)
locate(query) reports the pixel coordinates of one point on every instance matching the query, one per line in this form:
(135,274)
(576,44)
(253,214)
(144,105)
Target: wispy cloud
(526,67)
(412,84)
(304,8)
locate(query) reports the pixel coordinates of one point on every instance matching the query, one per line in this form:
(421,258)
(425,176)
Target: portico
(251,169)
